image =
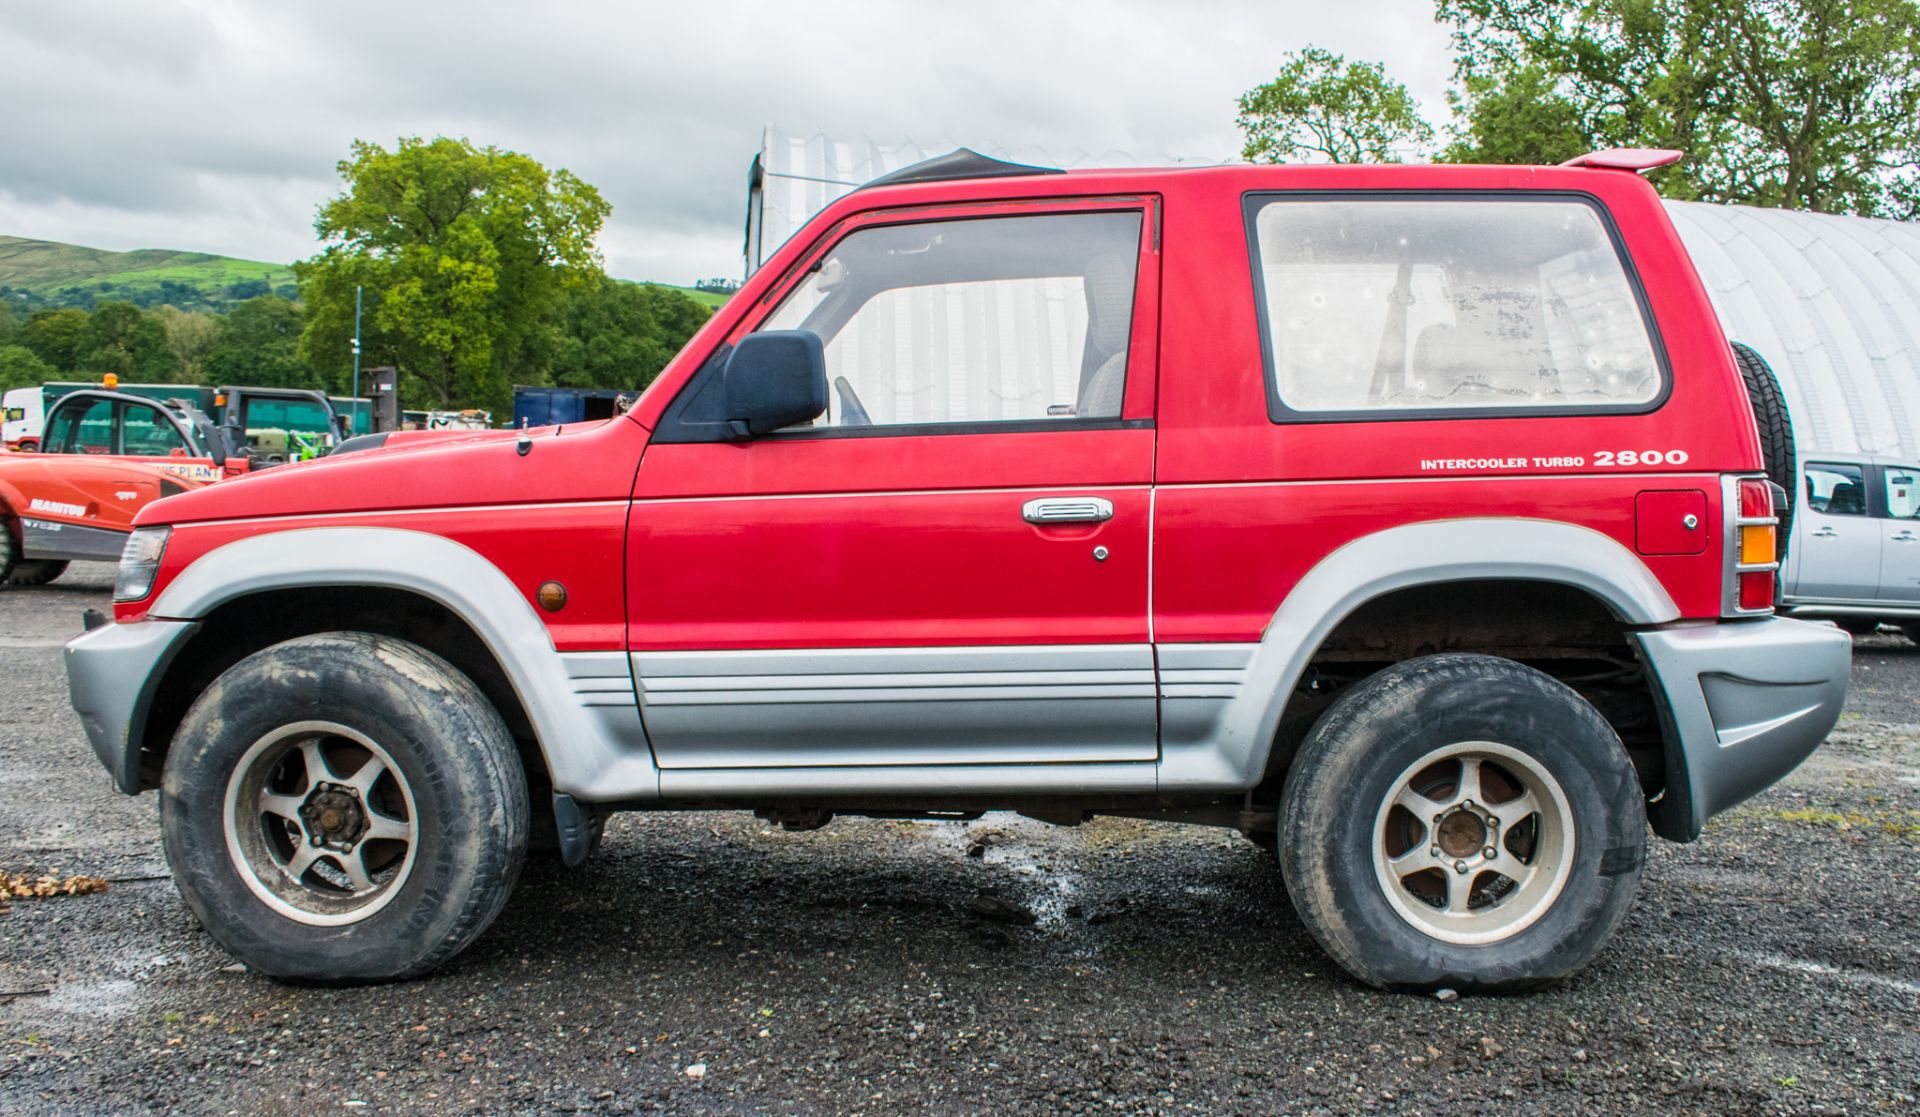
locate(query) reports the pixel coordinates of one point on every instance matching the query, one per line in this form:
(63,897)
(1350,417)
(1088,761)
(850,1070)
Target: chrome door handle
(1904,537)
(1826,533)
(1067,510)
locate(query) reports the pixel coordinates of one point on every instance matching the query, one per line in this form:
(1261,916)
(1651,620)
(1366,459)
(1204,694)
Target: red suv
(1410,520)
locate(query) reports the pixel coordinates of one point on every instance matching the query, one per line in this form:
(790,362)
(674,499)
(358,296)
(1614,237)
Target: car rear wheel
(1462,821)
(9,551)
(36,572)
(344,807)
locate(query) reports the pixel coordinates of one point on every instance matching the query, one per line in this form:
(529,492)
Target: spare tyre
(1776,431)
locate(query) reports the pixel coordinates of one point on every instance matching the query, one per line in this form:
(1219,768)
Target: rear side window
(1393,306)
(1836,490)
(1903,492)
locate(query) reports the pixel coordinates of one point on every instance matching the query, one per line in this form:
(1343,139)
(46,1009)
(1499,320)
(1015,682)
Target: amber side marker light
(552,596)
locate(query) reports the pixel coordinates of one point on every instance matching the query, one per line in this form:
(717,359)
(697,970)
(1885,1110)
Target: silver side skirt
(843,708)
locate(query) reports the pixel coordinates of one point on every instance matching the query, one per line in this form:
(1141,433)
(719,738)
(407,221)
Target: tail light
(1752,546)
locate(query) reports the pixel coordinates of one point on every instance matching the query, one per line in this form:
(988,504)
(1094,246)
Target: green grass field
(712,300)
(69,273)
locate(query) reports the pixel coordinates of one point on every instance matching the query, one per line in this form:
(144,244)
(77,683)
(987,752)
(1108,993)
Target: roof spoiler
(960,163)
(1627,158)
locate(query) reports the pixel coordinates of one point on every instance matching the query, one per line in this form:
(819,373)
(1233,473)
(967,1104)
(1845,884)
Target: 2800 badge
(1640,457)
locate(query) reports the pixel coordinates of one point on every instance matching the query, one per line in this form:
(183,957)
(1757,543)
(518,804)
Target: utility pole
(356,343)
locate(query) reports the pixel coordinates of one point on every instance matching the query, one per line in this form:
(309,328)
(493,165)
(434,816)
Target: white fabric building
(1832,303)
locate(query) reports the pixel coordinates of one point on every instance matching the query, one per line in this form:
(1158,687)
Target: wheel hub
(1460,868)
(1463,832)
(334,816)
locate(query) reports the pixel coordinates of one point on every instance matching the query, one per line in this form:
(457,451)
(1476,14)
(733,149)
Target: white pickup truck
(1854,554)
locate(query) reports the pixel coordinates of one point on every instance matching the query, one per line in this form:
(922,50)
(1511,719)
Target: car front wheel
(344,807)
(1462,821)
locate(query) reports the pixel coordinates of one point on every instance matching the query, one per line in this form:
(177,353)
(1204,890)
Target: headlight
(139,562)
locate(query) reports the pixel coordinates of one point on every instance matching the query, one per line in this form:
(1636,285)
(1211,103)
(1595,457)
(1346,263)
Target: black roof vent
(960,163)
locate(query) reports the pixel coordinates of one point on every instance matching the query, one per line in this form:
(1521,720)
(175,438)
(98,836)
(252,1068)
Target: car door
(949,566)
(1900,534)
(1839,542)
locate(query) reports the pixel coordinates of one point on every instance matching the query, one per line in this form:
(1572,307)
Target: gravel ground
(705,963)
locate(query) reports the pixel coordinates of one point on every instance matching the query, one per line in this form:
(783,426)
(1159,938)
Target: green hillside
(712,300)
(42,273)
(37,273)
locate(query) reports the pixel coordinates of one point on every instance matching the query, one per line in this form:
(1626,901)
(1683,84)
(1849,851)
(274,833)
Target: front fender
(581,704)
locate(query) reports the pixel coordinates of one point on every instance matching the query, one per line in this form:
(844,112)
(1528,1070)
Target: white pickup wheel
(1462,821)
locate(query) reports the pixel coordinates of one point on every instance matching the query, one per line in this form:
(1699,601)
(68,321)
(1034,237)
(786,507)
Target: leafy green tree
(620,335)
(259,344)
(464,253)
(121,338)
(1323,108)
(190,335)
(1517,116)
(9,324)
(58,337)
(21,367)
(1804,104)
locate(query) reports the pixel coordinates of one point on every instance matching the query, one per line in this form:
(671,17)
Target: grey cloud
(223,121)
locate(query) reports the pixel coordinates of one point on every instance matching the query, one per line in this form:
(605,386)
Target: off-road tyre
(9,549)
(36,572)
(449,751)
(1775,429)
(1337,794)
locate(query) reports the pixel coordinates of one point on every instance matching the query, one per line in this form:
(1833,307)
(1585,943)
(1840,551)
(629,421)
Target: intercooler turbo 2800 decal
(1603,458)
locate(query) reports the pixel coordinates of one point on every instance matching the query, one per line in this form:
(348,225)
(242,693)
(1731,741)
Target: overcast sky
(215,126)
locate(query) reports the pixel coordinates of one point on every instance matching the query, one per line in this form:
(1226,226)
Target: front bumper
(111,675)
(1743,703)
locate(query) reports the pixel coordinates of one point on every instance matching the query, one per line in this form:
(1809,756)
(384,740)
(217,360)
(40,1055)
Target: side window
(1376,306)
(147,432)
(82,429)
(1903,492)
(982,320)
(1836,490)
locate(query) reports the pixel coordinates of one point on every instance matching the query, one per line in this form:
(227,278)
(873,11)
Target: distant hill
(37,273)
(712,300)
(43,273)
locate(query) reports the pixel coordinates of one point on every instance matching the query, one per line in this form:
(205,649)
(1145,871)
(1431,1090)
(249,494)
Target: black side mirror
(774,379)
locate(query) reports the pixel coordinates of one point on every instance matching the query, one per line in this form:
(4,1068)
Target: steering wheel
(852,412)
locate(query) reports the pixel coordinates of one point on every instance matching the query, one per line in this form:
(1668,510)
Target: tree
(1323,107)
(464,253)
(259,344)
(190,335)
(21,367)
(57,337)
(1518,116)
(620,335)
(1805,104)
(122,339)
